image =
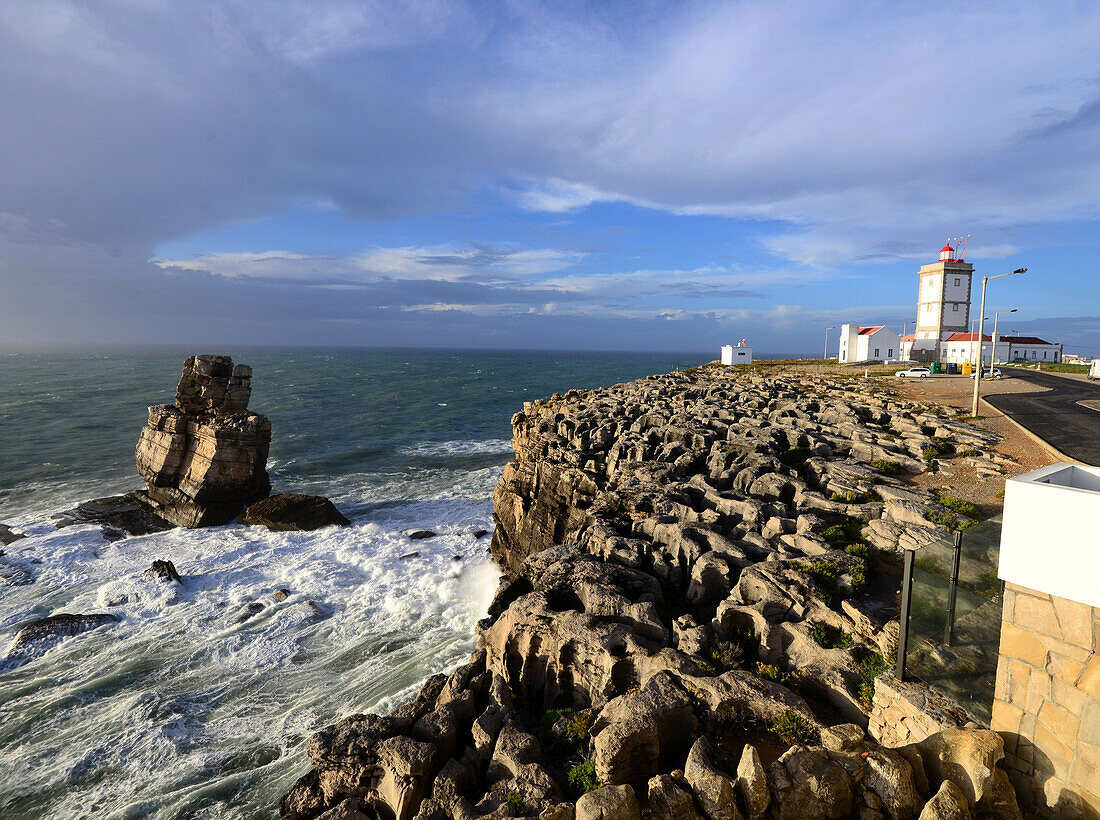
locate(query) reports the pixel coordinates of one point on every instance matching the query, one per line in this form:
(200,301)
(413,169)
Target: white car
(995,373)
(914,373)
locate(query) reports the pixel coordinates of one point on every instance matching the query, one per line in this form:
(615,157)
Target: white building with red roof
(868,344)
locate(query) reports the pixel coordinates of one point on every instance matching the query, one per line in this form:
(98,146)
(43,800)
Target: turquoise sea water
(178,710)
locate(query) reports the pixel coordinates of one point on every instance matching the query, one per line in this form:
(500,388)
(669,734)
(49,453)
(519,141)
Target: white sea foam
(178,709)
(459,448)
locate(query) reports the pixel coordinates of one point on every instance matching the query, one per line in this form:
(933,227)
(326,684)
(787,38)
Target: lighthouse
(943,302)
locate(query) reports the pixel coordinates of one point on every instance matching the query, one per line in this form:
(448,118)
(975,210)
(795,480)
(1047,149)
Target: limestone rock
(293,511)
(609,803)
(205,458)
(752,784)
(8,535)
(668,801)
(966,757)
(37,636)
(810,785)
(120,515)
(949,803)
(714,790)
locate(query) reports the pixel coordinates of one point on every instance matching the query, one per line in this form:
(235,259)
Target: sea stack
(205,457)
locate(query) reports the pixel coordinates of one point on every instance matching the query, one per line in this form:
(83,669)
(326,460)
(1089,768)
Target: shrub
(859,550)
(515,800)
(969,452)
(871,665)
(938,448)
(961,506)
(829,637)
(776,675)
(792,728)
(825,575)
(887,467)
(550,717)
(582,778)
(849,497)
(580,726)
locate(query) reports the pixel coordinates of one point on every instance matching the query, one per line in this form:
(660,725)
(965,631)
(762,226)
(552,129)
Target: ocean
(177,710)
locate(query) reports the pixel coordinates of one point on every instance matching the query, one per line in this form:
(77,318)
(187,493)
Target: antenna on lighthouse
(966,245)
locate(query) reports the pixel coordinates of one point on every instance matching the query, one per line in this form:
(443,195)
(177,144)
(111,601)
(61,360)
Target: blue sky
(538,175)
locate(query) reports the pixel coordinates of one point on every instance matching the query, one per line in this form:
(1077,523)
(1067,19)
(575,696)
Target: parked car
(994,373)
(914,373)
(1094,370)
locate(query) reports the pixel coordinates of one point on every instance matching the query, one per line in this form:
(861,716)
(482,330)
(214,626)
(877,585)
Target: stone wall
(909,711)
(1047,705)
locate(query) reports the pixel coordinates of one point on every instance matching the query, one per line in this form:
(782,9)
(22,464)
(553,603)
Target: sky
(539,175)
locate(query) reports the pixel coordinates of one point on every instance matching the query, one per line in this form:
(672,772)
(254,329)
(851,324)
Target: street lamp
(996,316)
(827,340)
(981,329)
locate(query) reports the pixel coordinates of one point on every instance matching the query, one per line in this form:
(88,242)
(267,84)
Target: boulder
(752,784)
(8,535)
(293,511)
(669,801)
(949,803)
(810,785)
(37,636)
(966,757)
(609,803)
(205,458)
(165,571)
(714,790)
(119,515)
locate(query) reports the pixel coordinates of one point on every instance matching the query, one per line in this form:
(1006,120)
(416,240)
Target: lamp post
(827,340)
(996,317)
(981,329)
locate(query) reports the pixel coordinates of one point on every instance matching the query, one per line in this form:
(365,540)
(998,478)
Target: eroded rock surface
(205,458)
(293,511)
(687,560)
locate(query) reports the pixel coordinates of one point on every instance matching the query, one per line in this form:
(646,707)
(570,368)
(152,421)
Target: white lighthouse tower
(943,302)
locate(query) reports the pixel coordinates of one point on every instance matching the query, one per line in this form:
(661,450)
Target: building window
(876,352)
(889,353)
(1044,354)
(956,307)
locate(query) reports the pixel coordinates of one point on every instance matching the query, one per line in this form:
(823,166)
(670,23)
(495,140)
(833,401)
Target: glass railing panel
(954,629)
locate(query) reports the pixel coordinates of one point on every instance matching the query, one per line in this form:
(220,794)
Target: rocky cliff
(205,458)
(698,592)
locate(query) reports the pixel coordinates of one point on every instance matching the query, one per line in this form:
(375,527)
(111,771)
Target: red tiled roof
(1025,340)
(908,337)
(967,337)
(867,331)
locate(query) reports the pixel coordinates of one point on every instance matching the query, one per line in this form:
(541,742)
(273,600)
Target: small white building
(963,347)
(871,343)
(741,354)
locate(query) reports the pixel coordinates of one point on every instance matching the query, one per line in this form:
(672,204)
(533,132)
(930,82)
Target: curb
(1046,445)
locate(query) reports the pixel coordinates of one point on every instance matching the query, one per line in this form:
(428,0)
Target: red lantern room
(947,254)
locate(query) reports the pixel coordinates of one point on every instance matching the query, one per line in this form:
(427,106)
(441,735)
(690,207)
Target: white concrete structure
(1049,538)
(868,343)
(741,354)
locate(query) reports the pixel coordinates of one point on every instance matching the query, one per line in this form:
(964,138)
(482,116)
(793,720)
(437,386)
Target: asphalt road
(1055,415)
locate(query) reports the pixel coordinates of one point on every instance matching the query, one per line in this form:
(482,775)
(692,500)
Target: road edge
(1050,448)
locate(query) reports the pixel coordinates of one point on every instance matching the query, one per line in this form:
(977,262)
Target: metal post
(903,624)
(952,593)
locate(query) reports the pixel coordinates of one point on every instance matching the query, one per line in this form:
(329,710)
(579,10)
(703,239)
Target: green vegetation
(830,637)
(938,448)
(515,800)
(849,497)
(969,452)
(949,521)
(792,728)
(858,550)
(887,467)
(720,659)
(845,528)
(871,665)
(1065,368)
(1000,493)
(582,778)
(961,506)
(776,675)
(580,726)
(550,717)
(825,575)
(794,456)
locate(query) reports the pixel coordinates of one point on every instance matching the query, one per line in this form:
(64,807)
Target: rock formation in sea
(684,628)
(205,457)
(293,511)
